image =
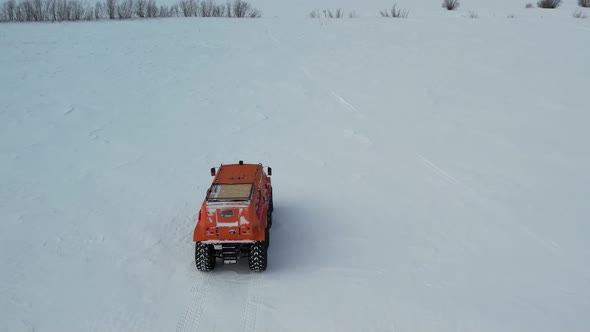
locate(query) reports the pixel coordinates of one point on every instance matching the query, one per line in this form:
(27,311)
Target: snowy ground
(430,174)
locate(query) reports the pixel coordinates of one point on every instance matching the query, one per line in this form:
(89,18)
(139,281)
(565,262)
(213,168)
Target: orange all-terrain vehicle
(235,217)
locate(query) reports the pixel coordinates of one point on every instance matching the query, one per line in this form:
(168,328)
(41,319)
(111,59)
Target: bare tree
(218,11)
(584,3)
(164,11)
(88,12)
(550,4)
(240,8)
(111,8)
(8,9)
(125,10)
(140,8)
(19,13)
(27,9)
(74,10)
(451,4)
(4,12)
(206,8)
(11,4)
(38,10)
(98,10)
(174,10)
(63,10)
(152,9)
(188,7)
(49,10)
(77,10)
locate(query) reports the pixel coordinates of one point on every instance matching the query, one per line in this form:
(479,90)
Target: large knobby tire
(257,258)
(204,258)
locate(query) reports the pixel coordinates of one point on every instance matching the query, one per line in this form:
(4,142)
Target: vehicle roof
(236,173)
(230,192)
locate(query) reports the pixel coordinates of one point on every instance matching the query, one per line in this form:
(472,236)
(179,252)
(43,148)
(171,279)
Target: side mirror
(269,171)
(212,171)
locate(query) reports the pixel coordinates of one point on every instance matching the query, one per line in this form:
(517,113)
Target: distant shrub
(188,8)
(338,13)
(111,7)
(125,9)
(550,4)
(98,10)
(174,11)
(450,4)
(472,14)
(329,13)
(584,3)
(512,16)
(209,8)
(164,11)
(243,9)
(151,9)
(394,12)
(530,5)
(578,14)
(7,11)
(75,10)
(140,8)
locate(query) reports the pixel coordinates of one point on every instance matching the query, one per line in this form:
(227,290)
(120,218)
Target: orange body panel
(236,205)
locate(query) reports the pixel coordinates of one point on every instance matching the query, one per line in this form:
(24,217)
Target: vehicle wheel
(257,258)
(204,257)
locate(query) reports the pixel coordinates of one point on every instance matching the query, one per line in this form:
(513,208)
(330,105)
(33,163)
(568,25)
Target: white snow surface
(430,174)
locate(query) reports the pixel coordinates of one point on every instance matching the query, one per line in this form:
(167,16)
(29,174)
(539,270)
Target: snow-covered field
(430,174)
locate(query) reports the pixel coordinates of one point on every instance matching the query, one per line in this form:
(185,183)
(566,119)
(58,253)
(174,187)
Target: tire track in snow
(547,243)
(190,319)
(364,139)
(344,102)
(252,309)
(308,74)
(271,36)
(334,95)
(95,135)
(445,175)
